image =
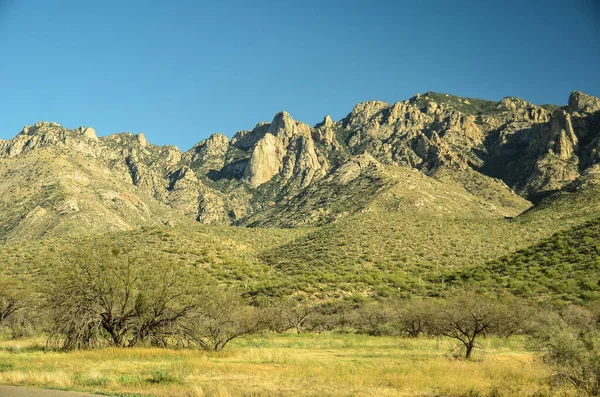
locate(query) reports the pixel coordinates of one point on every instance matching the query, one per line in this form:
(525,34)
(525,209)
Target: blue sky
(181,70)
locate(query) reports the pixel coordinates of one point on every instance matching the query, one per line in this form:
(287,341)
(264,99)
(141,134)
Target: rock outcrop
(287,149)
(45,134)
(208,154)
(265,161)
(353,168)
(582,103)
(246,139)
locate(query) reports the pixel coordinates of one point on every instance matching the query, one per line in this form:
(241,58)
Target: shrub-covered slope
(564,268)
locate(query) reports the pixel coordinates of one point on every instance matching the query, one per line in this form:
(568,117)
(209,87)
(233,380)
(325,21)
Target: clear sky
(181,70)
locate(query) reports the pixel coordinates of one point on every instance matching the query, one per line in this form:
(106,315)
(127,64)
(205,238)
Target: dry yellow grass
(286,365)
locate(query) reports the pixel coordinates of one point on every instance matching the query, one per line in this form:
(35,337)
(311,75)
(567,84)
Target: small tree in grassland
(100,295)
(415,318)
(221,317)
(13,297)
(291,313)
(466,318)
(375,318)
(515,317)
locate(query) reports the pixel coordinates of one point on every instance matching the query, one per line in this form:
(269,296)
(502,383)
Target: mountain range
(432,153)
(435,181)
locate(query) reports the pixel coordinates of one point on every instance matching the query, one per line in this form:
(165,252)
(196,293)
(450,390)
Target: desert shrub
(17,308)
(292,313)
(330,316)
(515,317)
(375,318)
(13,297)
(221,317)
(569,341)
(105,296)
(414,318)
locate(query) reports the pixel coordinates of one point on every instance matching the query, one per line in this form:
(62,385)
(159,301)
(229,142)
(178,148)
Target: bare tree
(222,317)
(291,313)
(466,318)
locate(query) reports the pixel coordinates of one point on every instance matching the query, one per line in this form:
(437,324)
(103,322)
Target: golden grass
(285,365)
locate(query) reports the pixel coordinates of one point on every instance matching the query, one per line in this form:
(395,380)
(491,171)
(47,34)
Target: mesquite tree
(466,318)
(100,295)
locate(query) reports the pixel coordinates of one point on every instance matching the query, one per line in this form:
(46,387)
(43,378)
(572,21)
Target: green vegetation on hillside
(374,254)
(578,202)
(370,254)
(563,268)
(385,254)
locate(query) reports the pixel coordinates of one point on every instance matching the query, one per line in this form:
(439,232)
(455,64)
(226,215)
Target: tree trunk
(469,347)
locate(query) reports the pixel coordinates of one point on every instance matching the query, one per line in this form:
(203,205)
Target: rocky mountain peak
(47,129)
(246,139)
(41,127)
(363,112)
(583,103)
(531,148)
(208,153)
(282,120)
(88,132)
(326,123)
(286,128)
(217,140)
(141,138)
(323,133)
(49,134)
(519,109)
(514,103)
(215,144)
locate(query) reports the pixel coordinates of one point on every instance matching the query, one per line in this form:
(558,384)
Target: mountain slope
(564,267)
(577,202)
(53,194)
(60,182)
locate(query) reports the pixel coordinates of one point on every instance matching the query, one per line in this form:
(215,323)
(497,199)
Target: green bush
(161,375)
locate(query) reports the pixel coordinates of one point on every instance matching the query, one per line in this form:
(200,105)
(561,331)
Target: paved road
(14,391)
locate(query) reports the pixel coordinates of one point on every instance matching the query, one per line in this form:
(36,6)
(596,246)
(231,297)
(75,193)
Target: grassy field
(286,365)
